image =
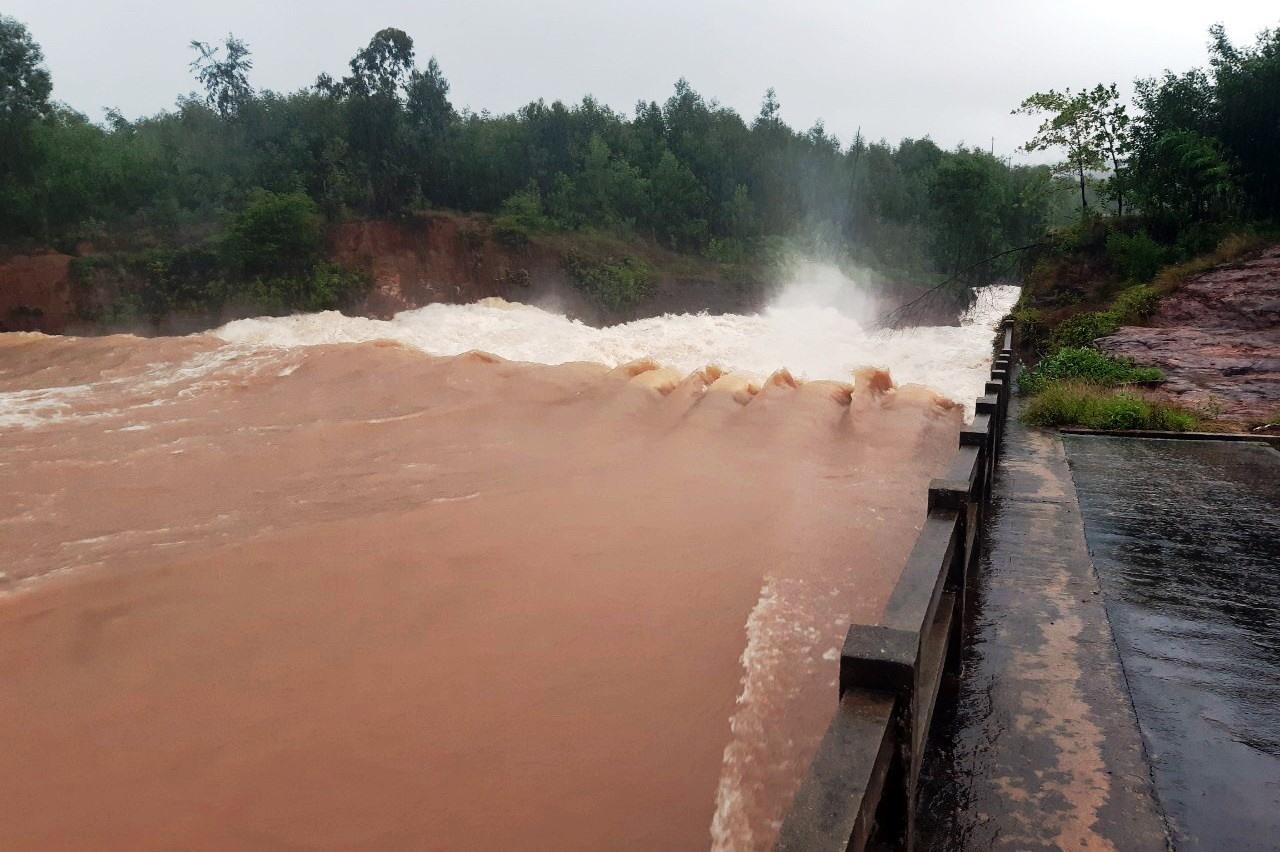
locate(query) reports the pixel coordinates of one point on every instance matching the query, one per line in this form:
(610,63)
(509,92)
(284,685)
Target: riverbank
(141,283)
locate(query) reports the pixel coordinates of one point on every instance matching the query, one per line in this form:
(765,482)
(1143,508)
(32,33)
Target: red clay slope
(1217,339)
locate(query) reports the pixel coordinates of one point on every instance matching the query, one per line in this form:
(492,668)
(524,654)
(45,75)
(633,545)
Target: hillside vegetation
(385,141)
(1189,183)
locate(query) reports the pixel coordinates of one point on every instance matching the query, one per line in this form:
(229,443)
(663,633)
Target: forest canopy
(385,140)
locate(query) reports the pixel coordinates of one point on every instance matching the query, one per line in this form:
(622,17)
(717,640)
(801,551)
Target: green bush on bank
(1094,407)
(1136,257)
(268,260)
(616,282)
(1132,306)
(274,235)
(521,215)
(1082,330)
(1135,305)
(324,287)
(1089,366)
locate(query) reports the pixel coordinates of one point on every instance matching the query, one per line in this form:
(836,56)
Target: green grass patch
(1135,305)
(1132,306)
(1082,329)
(1081,404)
(1088,366)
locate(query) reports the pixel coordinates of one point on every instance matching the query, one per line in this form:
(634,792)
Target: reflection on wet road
(1185,536)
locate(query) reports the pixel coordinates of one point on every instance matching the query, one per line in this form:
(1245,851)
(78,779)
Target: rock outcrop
(1217,340)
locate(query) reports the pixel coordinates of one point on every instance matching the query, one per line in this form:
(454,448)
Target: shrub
(275,235)
(1136,256)
(1135,305)
(1084,365)
(324,287)
(616,282)
(1028,325)
(187,280)
(1230,249)
(1080,404)
(1132,306)
(1088,234)
(521,215)
(1083,329)
(728,250)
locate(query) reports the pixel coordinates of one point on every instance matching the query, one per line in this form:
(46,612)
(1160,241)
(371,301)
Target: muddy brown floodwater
(355,596)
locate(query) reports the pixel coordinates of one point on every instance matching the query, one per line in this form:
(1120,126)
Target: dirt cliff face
(429,258)
(1217,339)
(446,259)
(459,259)
(35,292)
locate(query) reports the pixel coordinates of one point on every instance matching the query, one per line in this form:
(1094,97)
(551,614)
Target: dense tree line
(385,140)
(1188,182)
(1198,156)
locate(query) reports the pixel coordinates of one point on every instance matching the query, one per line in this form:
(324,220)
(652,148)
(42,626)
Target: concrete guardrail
(864,779)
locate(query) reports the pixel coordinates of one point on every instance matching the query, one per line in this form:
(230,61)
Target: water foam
(111,396)
(814,335)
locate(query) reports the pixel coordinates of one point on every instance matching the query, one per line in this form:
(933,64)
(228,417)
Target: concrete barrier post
(959,496)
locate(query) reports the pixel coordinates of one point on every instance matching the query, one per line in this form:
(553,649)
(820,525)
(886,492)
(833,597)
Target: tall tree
(428,103)
(1071,124)
(431,117)
(679,203)
(25,84)
(25,87)
(383,67)
(381,74)
(1176,113)
(225,78)
(1112,137)
(1247,99)
(966,202)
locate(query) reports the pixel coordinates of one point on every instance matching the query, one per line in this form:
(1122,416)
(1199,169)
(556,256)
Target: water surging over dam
(328,582)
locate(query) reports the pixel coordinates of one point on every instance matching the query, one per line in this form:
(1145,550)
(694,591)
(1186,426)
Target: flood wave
(814,336)
(475,577)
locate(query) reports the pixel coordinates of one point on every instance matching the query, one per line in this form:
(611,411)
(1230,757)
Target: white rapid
(817,332)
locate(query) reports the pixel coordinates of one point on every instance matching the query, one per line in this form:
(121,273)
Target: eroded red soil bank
(1217,340)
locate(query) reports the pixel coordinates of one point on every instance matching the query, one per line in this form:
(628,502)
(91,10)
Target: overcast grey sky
(951,70)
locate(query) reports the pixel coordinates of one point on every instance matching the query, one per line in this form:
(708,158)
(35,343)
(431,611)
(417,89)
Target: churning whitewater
(475,577)
(812,329)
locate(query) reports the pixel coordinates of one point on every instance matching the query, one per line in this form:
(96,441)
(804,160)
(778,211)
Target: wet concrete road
(1041,748)
(1185,536)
